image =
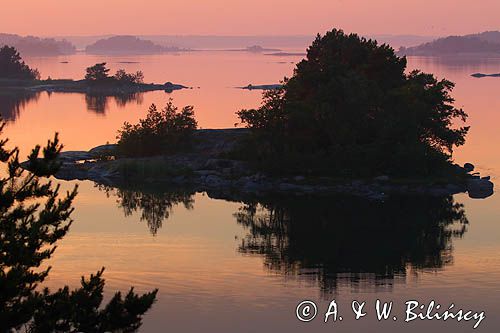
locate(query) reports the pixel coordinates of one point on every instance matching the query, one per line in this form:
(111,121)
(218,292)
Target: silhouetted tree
(97,73)
(13,67)
(351,109)
(162,131)
(128,78)
(33,217)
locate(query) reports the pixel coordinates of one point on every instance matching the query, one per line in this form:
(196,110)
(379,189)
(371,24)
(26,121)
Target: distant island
(16,76)
(128,45)
(35,46)
(286,54)
(254,49)
(482,43)
(480,75)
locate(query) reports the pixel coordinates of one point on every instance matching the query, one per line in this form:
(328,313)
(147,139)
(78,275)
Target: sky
(247,17)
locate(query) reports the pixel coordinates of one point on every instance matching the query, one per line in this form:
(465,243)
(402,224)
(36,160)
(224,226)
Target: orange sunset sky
(247,17)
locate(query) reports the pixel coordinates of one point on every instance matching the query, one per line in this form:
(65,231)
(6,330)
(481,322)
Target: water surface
(232,264)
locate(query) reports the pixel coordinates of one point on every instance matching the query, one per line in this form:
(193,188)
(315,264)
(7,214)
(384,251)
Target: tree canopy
(351,108)
(33,218)
(162,131)
(13,67)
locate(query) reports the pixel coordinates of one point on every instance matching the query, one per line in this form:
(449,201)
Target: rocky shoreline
(204,169)
(82,86)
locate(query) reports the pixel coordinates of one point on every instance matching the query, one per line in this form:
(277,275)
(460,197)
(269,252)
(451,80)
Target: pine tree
(33,218)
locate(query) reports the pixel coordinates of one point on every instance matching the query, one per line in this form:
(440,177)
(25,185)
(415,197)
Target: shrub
(129,78)
(162,131)
(351,109)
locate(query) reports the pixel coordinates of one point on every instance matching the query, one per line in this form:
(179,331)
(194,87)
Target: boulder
(469,167)
(479,188)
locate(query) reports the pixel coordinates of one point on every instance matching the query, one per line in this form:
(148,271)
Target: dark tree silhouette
(162,131)
(13,67)
(351,109)
(33,218)
(97,73)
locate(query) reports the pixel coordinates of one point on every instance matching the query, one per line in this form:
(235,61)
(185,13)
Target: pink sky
(248,17)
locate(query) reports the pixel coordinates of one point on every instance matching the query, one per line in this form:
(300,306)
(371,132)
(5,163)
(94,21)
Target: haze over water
(215,268)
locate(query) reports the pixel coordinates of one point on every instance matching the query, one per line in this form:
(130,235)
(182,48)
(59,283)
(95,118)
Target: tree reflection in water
(329,241)
(11,103)
(155,206)
(332,241)
(99,103)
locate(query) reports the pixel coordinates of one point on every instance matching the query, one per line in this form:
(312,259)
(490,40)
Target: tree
(350,108)
(97,73)
(33,218)
(129,78)
(13,67)
(162,131)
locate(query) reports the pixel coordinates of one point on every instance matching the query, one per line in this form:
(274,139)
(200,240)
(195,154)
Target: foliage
(33,217)
(162,131)
(351,109)
(97,73)
(13,67)
(129,78)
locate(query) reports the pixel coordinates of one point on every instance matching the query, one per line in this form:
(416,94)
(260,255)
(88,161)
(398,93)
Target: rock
(203,173)
(381,178)
(107,149)
(469,167)
(214,163)
(479,188)
(74,156)
(287,187)
(214,181)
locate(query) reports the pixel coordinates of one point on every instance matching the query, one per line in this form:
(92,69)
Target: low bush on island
(98,74)
(164,131)
(350,109)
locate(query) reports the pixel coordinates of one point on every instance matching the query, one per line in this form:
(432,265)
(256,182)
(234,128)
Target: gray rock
(103,150)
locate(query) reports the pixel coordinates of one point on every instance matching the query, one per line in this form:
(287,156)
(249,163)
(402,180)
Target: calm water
(240,265)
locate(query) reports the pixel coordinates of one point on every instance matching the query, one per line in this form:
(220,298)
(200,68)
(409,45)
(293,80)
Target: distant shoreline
(83,86)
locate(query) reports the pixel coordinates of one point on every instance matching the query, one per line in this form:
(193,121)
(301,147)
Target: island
(35,46)
(340,125)
(16,76)
(128,45)
(480,75)
(486,43)
(261,86)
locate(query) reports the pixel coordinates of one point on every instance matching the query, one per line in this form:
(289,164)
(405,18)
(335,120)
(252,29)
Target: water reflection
(11,103)
(154,205)
(351,240)
(99,103)
(329,240)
